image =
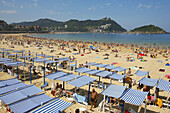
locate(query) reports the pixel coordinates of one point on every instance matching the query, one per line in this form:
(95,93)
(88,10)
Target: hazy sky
(128,13)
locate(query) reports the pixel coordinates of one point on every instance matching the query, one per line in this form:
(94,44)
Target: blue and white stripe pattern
(101,65)
(5,59)
(53,106)
(81,81)
(90,63)
(28,104)
(119,69)
(68,77)
(20,94)
(8,82)
(12,87)
(164,85)
(56,75)
(104,73)
(50,62)
(141,73)
(110,67)
(114,91)
(93,72)
(133,96)
(82,70)
(148,81)
(41,60)
(116,76)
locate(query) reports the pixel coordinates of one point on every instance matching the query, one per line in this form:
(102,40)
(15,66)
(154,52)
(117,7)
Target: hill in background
(102,25)
(148,29)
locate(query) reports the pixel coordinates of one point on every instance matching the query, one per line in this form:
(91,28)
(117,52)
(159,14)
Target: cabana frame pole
(44,73)
(30,76)
(88,93)
(63,84)
(56,66)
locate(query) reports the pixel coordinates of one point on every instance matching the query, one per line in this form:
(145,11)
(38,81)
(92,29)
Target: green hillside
(148,29)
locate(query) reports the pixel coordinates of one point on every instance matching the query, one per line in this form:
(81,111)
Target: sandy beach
(150,64)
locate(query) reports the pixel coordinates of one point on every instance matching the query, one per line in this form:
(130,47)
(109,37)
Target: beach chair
(80,99)
(100,106)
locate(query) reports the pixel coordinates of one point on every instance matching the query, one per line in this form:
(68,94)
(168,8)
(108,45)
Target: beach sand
(152,65)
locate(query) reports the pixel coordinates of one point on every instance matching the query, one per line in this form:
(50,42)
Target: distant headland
(104,25)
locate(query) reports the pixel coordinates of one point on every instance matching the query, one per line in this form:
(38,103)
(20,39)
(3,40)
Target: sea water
(140,39)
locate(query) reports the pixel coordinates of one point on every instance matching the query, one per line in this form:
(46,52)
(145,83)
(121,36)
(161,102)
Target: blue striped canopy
(114,91)
(20,94)
(8,82)
(68,77)
(28,104)
(101,65)
(148,81)
(164,85)
(82,70)
(81,81)
(119,69)
(141,73)
(50,62)
(56,75)
(41,60)
(11,54)
(93,71)
(117,76)
(90,63)
(12,87)
(11,63)
(48,56)
(26,56)
(133,96)
(110,67)
(40,54)
(21,51)
(104,73)
(62,59)
(5,59)
(53,106)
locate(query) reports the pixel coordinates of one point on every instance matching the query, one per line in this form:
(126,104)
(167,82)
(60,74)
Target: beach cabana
(82,70)
(148,81)
(115,91)
(21,51)
(100,65)
(13,87)
(81,81)
(90,64)
(42,60)
(25,56)
(134,97)
(67,78)
(116,76)
(164,85)
(110,67)
(8,82)
(56,75)
(20,94)
(29,103)
(55,106)
(141,73)
(5,59)
(120,69)
(103,74)
(93,72)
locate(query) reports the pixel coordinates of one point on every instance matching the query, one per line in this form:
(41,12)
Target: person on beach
(93,98)
(58,91)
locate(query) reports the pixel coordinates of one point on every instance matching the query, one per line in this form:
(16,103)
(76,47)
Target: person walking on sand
(93,98)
